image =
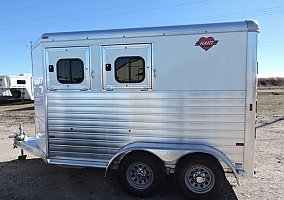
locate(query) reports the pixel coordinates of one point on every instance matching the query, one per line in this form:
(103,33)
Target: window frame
(70,59)
(130,57)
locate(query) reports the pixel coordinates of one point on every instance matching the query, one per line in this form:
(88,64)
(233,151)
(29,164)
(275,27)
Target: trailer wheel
(16,94)
(140,175)
(200,178)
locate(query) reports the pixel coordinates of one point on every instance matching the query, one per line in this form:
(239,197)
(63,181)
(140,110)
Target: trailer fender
(171,153)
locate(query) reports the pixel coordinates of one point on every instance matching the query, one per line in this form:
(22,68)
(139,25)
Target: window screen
(130,69)
(70,71)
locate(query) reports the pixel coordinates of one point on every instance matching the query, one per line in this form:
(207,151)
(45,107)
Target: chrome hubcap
(199,179)
(139,175)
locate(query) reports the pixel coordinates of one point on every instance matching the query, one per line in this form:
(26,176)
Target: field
(33,179)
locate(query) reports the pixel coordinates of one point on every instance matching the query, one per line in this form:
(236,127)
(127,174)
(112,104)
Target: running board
(78,163)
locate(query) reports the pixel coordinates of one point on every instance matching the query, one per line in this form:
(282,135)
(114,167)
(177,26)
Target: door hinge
(144,89)
(52,89)
(84,89)
(109,89)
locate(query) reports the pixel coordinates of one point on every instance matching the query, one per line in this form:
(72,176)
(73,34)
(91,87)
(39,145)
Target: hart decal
(206,43)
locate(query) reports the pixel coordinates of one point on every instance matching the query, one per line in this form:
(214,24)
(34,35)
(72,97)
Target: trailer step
(75,162)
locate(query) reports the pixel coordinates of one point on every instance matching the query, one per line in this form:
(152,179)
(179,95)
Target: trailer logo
(206,43)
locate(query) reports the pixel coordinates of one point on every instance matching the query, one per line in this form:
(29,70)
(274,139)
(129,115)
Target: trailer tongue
(26,143)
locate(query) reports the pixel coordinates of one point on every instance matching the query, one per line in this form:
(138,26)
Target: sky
(22,21)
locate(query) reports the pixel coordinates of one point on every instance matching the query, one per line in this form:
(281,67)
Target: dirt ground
(33,179)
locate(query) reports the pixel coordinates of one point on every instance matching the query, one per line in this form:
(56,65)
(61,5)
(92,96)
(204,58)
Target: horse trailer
(149,102)
(17,87)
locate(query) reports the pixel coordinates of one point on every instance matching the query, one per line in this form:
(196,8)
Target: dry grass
(270,105)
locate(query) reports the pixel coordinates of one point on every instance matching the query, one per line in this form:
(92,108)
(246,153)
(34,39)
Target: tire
(16,94)
(140,175)
(200,178)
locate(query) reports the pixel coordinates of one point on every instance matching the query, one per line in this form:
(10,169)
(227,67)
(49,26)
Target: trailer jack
(19,137)
(22,156)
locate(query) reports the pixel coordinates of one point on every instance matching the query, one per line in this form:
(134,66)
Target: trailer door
(127,66)
(67,68)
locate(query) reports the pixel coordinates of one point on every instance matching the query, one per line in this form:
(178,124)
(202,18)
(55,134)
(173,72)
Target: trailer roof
(242,26)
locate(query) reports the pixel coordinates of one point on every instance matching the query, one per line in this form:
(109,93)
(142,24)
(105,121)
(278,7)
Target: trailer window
(130,69)
(21,82)
(70,71)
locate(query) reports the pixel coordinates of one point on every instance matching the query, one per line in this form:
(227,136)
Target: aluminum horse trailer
(149,102)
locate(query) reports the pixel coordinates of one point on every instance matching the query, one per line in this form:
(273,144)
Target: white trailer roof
(246,26)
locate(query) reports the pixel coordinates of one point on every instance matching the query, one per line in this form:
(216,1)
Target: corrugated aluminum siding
(94,126)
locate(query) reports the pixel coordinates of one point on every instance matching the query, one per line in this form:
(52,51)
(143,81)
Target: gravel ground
(33,179)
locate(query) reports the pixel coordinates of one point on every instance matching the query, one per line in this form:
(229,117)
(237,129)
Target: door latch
(51,68)
(108,67)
